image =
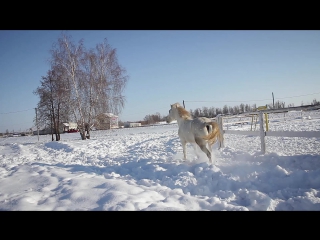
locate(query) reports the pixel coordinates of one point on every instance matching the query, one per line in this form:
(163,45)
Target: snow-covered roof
(109,115)
(70,124)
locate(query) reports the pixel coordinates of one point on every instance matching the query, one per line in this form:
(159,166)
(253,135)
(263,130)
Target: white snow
(142,169)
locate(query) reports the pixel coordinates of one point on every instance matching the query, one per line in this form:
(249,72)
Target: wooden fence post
(262,134)
(220,123)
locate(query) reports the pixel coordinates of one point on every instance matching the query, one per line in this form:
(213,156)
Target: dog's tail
(214,134)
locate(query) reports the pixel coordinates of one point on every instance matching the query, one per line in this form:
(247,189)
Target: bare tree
(236,110)
(212,112)
(270,105)
(315,102)
(218,111)
(68,56)
(197,112)
(231,110)
(205,112)
(112,76)
(241,108)
(225,109)
(106,80)
(150,119)
(291,105)
(94,79)
(278,104)
(52,94)
(43,106)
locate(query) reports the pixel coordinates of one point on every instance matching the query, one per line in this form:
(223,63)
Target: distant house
(69,127)
(132,124)
(106,121)
(63,128)
(44,131)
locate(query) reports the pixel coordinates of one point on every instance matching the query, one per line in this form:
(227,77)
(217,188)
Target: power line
(17,124)
(232,101)
(300,95)
(18,111)
(257,100)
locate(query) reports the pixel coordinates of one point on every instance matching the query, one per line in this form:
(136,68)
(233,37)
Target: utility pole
(183,104)
(273,100)
(37,123)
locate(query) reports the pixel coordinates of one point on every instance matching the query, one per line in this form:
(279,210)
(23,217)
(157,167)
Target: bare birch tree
(111,80)
(68,56)
(94,79)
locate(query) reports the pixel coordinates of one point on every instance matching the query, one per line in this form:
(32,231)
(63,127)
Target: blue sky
(204,68)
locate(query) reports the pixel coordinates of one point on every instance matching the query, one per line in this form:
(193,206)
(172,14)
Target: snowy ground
(142,169)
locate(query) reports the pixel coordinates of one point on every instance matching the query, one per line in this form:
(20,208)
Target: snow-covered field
(142,169)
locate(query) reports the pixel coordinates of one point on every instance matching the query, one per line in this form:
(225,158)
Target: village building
(132,124)
(106,121)
(69,127)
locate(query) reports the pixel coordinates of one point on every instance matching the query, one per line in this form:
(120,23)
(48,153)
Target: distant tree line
(79,85)
(153,118)
(211,112)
